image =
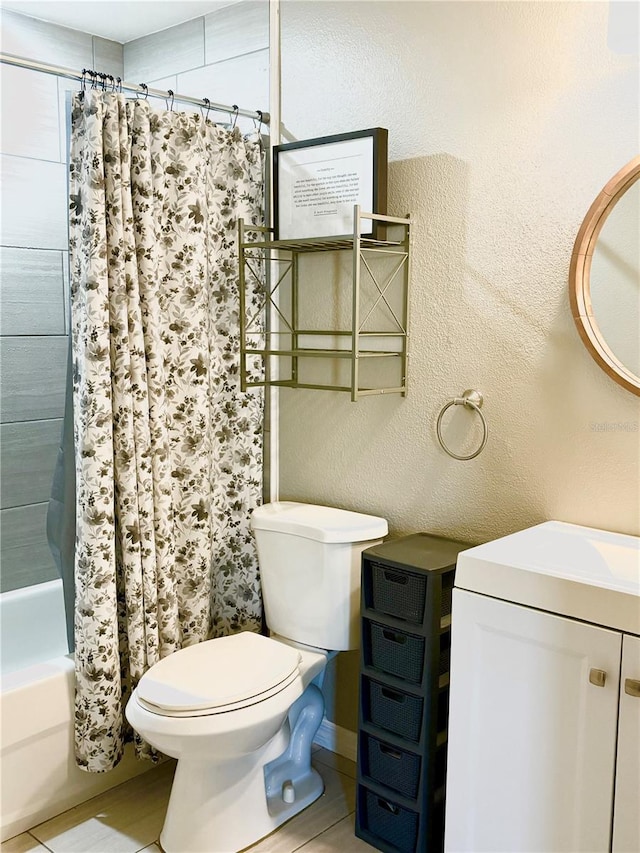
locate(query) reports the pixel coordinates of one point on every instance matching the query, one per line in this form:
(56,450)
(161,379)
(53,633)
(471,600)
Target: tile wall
(34,280)
(223,56)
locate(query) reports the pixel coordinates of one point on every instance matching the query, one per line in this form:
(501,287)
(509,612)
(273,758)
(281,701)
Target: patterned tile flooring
(128,818)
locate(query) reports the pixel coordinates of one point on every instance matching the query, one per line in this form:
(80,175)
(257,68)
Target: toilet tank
(309,560)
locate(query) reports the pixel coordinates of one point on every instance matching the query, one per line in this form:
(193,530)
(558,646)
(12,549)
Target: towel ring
(472,399)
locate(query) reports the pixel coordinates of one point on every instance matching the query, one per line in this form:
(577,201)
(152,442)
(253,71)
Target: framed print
(318,181)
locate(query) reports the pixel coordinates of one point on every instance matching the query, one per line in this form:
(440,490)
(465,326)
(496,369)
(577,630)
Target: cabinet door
(626,818)
(531,740)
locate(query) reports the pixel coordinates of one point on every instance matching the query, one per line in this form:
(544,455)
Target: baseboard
(337,739)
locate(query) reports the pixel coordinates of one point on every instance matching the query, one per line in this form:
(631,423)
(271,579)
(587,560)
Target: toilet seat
(218,676)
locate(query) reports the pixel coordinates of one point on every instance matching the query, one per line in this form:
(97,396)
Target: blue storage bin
(395,711)
(391,766)
(390,822)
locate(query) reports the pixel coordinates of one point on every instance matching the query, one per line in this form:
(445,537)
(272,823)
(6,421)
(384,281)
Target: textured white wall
(505,120)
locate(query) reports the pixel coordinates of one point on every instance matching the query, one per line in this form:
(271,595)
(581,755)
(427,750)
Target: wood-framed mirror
(604,278)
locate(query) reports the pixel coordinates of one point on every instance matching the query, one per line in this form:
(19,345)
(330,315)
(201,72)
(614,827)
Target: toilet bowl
(222,798)
(240,713)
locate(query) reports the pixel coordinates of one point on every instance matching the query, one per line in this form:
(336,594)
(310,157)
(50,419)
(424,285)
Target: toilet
(240,713)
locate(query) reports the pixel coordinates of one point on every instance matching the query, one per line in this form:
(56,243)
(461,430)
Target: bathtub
(39,778)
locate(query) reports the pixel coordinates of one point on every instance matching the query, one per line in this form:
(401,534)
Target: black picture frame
(318,181)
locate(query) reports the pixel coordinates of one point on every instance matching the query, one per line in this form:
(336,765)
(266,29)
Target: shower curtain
(167,450)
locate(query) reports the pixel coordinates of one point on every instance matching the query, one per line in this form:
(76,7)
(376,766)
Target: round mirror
(605,278)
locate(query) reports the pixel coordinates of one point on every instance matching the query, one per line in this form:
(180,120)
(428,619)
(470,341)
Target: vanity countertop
(581,572)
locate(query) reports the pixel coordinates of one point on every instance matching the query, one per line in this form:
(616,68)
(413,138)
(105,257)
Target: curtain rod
(69,74)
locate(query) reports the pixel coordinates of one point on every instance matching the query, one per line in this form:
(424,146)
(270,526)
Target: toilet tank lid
(322,523)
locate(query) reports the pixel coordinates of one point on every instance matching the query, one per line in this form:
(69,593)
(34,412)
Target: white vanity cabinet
(544,720)
(626,818)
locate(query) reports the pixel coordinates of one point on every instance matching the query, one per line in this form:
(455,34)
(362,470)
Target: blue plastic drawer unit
(400,594)
(390,765)
(393,710)
(395,652)
(407,587)
(391,822)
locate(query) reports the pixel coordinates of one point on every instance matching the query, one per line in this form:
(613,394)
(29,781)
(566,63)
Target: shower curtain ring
(103,80)
(258,130)
(119,84)
(207,104)
(112,81)
(83,80)
(145,89)
(236,110)
(170,99)
(94,78)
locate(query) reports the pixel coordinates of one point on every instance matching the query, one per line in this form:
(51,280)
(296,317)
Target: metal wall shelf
(273,296)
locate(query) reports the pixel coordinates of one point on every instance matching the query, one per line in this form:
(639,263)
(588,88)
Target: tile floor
(128,818)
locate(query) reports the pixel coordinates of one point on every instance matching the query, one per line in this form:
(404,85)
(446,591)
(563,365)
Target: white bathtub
(32,627)
(39,778)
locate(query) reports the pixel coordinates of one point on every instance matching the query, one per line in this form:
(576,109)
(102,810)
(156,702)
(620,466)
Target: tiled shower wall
(223,56)
(34,281)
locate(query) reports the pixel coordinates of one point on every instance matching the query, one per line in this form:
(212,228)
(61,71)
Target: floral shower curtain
(168,451)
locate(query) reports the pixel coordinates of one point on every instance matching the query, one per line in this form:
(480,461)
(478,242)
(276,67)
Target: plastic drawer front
(395,711)
(391,766)
(390,822)
(398,593)
(395,652)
